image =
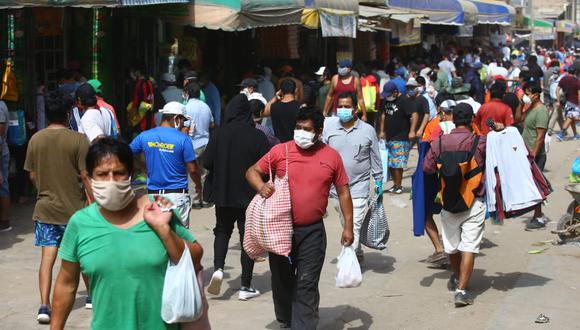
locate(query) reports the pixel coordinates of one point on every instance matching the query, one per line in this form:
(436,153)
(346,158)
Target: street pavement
(511,287)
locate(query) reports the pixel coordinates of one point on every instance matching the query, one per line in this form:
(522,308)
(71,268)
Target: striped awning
(236,15)
(440,12)
(83,3)
(494,12)
(336,18)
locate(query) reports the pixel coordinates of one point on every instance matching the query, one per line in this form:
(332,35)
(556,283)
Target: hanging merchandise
(514,183)
(95,48)
(9,89)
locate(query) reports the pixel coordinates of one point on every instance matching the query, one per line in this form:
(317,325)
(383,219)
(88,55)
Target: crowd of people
(323,136)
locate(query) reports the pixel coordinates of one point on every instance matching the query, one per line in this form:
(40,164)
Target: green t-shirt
(535,118)
(125,267)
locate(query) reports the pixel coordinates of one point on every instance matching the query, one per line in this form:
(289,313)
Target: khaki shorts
(463,231)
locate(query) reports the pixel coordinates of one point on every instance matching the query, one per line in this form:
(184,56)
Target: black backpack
(459,177)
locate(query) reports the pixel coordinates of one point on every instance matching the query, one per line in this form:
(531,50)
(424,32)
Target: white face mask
(303,139)
(113,195)
(526,99)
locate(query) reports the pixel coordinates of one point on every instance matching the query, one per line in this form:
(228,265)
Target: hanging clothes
(424,191)
(507,152)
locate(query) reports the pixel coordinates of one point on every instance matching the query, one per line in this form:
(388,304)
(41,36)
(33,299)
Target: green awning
(538,23)
(83,3)
(235,15)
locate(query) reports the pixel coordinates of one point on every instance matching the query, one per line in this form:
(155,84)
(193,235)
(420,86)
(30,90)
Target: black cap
(249,82)
(86,93)
(462,114)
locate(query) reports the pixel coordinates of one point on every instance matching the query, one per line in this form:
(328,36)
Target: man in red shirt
(499,112)
(313,167)
(570,85)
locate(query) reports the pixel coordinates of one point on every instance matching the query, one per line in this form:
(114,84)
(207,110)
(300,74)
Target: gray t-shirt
(4,119)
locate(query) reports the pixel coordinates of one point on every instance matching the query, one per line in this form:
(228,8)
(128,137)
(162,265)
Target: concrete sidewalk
(398,292)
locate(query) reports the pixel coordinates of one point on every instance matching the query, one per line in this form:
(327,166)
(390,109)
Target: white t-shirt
(447,66)
(507,151)
(506,53)
(95,123)
(202,118)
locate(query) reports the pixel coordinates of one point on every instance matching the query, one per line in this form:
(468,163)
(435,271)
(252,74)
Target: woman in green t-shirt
(122,244)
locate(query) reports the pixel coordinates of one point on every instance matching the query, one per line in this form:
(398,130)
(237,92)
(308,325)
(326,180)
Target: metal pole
(533,24)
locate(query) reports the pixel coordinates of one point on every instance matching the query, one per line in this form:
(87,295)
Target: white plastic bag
(348,269)
(181,301)
(547,142)
(384,161)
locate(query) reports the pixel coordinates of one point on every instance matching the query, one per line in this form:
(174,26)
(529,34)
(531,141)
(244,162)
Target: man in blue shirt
(169,158)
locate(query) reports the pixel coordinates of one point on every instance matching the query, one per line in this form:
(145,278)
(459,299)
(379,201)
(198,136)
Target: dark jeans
(295,281)
(541,161)
(225,219)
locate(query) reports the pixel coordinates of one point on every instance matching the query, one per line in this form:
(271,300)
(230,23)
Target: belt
(167,191)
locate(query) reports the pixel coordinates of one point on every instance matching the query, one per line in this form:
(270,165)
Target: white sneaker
(247,293)
(215,284)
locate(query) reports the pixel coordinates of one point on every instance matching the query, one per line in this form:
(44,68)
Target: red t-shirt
(498,111)
(311,174)
(570,85)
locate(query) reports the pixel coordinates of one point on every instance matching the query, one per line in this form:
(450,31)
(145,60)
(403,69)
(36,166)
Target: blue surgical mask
(344,114)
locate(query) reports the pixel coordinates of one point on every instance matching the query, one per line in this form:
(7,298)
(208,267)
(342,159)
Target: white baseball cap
(174,108)
(320,71)
(168,77)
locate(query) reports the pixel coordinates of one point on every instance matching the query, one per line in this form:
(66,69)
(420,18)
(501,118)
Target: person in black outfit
(231,150)
(283,109)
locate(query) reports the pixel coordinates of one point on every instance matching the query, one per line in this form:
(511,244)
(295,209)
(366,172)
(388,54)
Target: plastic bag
(348,269)
(374,232)
(269,221)
(17,128)
(181,300)
(384,160)
(547,143)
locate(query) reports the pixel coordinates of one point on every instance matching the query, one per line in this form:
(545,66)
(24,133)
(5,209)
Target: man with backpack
(458,158)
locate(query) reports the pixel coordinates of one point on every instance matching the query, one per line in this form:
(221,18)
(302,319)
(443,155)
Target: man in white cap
(169,158)
(324,79)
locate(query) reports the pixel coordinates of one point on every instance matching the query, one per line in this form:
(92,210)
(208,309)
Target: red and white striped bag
(269,221)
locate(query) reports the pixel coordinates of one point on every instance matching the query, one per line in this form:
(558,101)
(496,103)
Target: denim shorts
(182,204)
(4,188)
(46,234)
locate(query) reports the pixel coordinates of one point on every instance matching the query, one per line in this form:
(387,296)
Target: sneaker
(285,325)
(462,299)
(207,205)
(197,206)
(391,190)
(215,284)
(247,293)
(5,226)
(436,257)
(560,137)
(535,224)
(398,190)
(452,283)
(43,315)
(576,137)
(88,303)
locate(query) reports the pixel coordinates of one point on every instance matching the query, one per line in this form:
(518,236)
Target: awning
(336,18)
(83,3)
(440,12)
(565,26)
(236,15)
(403,16)
(539,23)
(494,12)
